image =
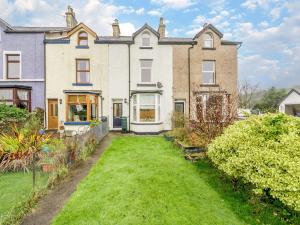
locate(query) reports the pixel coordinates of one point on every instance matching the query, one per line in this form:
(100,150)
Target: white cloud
(140,11)
(154,12)
(175,4)
(275,13)
(127,29)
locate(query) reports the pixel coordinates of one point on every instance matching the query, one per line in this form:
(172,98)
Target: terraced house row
(77,75)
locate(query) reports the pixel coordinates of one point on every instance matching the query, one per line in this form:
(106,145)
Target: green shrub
(265,152)
(11,115)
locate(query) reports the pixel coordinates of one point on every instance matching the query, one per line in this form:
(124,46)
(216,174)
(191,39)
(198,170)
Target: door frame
(52,99)
(116,101)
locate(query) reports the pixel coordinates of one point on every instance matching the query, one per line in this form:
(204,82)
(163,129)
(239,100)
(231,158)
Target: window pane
(208,44)
(93,111)
(13,70)
(179,107)
(147,99)
(13,57)
(78,112)
(146,63)
(83,34)
(6,94)
(134,113)
(208,66)
(146,41)
(83,42)
(146,75)
(82,98)
(147,113)
(134,99)
(23,105)
(72,98)
(22,94)
(208,77)
(83,77)
(83,65)
(214,107)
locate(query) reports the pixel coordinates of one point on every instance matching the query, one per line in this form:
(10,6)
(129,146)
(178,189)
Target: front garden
(146,180)
(32,160)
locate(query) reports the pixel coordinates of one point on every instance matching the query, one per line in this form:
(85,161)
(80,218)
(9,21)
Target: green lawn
(16,187)
(145,180)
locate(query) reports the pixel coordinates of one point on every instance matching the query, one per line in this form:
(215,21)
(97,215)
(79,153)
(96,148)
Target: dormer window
(208,40)
(146,39)
(83,38)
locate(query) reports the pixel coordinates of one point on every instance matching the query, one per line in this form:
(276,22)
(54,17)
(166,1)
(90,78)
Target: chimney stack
(70,18)
(116,28)
(161,28)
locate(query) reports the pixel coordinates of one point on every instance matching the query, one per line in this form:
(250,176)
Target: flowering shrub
(263,151)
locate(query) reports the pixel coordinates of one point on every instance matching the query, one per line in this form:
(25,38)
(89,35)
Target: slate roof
(18,29)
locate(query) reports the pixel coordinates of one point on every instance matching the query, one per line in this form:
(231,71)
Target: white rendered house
(291,103)
(140,80)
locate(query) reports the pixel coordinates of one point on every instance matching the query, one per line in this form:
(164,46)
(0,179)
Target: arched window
(145,39)
(83,38)
(208,40)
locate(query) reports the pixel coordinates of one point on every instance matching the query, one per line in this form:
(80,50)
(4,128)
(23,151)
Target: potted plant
(47,163)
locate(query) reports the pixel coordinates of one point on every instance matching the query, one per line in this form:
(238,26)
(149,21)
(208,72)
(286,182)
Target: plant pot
(48,168)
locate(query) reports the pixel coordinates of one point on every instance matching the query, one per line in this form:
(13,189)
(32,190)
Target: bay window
(18,96)
(146,108)
(212,107)
(82,108)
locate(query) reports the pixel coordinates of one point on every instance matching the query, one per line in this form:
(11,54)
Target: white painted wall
(61,72)
(118,79)
(292,99)
(162,71)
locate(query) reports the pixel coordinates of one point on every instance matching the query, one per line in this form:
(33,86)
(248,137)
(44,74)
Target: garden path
(52,203)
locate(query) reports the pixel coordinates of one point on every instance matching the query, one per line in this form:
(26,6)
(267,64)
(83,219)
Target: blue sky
(269,29)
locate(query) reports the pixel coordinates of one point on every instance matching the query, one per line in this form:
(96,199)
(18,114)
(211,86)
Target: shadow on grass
(250,208)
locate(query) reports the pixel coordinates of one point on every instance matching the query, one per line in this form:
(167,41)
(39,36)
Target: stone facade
(223,53)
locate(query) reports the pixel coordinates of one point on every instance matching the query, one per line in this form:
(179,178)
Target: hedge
(263,151)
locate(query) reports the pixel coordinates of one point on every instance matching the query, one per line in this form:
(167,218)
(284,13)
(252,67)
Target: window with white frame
(208,40)
(146,67)
(12,65)
(146,39)
(146,108)
(208,72)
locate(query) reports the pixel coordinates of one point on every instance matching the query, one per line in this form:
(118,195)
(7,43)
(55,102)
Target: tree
(246,93)
(271,100)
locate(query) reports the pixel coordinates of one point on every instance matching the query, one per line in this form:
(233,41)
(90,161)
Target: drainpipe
(129,81)
(45,97)
(189,77)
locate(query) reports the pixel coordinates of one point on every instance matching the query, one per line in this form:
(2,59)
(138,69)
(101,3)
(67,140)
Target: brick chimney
(161,28)
(116,28)
(70,18)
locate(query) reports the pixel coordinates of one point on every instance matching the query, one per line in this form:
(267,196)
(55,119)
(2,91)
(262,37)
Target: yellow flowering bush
(263,151)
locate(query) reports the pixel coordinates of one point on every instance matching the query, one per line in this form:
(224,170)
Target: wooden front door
(52,114)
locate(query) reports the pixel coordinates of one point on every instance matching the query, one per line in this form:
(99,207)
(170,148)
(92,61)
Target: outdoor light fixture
(125,100)
(60,101)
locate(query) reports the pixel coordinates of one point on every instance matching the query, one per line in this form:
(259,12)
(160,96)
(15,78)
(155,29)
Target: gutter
(129,81)
(189,77)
